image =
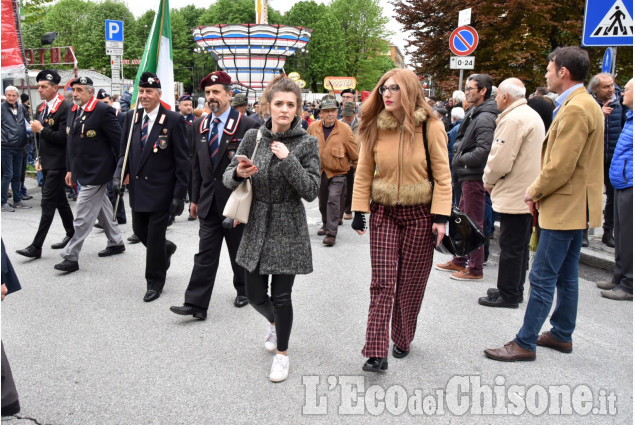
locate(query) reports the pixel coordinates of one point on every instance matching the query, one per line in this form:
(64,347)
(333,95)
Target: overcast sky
(138,7)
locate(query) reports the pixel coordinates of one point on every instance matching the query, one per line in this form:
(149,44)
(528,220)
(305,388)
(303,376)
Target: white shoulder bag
(239,202)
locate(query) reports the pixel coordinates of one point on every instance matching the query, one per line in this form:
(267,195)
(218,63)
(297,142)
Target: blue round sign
(608,60)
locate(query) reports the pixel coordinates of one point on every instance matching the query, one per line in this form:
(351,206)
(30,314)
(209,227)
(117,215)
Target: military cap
(328,103)
(48,75)
(85,81)
(185,97)
(218,77)
(240,100)
(102,94)
(348,109)
(351,91)
(149,80)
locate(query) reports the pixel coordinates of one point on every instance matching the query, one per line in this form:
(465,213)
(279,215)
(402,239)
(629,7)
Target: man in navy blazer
(92,150)
(216,138)
(158,166)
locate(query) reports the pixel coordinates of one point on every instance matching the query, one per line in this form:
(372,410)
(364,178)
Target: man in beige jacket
(512,166)
(338,152)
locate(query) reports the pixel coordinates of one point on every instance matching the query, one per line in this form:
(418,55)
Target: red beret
(218,77)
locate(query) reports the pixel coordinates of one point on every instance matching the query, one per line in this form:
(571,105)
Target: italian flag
(157,56)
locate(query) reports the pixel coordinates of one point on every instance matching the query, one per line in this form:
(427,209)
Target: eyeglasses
(393,89)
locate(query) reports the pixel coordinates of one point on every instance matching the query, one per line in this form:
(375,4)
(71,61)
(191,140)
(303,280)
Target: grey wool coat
(277,234)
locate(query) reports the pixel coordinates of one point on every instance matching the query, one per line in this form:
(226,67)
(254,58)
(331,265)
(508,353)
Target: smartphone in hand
(244,159)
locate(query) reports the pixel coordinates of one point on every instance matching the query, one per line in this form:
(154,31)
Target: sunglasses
(393,89)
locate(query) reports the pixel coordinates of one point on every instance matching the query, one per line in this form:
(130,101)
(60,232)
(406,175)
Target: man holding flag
(158,164)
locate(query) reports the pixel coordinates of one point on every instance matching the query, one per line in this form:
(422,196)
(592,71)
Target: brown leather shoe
(511,352)
(547,340)
(329,240)
(322,231)
(449,267)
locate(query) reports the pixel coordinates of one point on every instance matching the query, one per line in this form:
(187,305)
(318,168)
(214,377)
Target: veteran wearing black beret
(91,158)
(158,166)
(49,125)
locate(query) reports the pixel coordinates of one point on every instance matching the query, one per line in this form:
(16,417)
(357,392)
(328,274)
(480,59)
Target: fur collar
(387,121)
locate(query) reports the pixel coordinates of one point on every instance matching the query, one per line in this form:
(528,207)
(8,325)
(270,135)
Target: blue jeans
(12,173)
(555,267)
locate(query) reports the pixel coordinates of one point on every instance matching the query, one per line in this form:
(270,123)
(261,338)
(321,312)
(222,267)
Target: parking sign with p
(114,30)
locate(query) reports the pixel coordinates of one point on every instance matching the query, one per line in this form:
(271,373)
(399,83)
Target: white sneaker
(279,368)
(7,208)
(271,339)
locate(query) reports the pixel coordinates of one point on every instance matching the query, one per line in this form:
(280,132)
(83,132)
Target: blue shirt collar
(223,117)
(560,99)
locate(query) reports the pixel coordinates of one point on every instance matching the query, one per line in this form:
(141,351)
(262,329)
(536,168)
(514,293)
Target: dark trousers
(277,309)
(514,256)
(401,251)
(346,199)
(211,234)
(150,227)
(609,209)
(330,197)
(623,273)
(11,167)
(9,393)
(456,190)
(54,198)
(473,204)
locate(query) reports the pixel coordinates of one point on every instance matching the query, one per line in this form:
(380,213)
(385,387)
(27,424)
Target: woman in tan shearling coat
(407,213)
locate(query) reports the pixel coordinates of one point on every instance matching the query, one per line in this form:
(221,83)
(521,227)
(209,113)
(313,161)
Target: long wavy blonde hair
(412,98)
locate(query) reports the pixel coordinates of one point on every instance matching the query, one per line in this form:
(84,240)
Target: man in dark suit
(91,157)
(158,166)
(50,126)
(216,138)
(185,109)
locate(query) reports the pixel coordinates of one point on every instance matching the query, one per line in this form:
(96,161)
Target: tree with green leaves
(515,37)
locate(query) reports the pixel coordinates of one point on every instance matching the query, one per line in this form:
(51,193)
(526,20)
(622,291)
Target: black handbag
(462,235)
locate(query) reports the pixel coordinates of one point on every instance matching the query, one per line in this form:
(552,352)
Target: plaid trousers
(401,251)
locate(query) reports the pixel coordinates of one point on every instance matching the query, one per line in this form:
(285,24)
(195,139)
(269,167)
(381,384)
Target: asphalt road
(85,349)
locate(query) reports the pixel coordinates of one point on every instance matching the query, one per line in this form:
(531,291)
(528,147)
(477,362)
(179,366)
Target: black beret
(48,75)
(83,81)
(218,77)
(185,97)
(351,91)
(149,80)
(24,97)
(102,94)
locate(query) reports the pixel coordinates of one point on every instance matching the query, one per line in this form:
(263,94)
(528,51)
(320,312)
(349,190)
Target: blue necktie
(144,131)
(213,140)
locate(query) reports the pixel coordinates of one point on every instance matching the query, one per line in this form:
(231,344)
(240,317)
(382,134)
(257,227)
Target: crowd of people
(400,157)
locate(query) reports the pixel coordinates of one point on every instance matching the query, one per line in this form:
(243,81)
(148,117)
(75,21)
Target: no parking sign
(463,40)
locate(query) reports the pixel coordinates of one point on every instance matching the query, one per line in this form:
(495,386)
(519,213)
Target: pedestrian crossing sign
(608,23)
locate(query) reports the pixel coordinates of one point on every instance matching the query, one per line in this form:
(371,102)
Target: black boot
(585,238)
(607,238)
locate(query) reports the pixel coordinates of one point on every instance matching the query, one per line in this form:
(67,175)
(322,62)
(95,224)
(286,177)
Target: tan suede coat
(396,173)
(571,177)
(337,153)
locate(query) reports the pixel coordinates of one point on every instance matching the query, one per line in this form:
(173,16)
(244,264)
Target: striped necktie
(213,140)
(144,131)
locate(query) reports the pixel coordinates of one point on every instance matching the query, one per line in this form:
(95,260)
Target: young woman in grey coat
(285,170)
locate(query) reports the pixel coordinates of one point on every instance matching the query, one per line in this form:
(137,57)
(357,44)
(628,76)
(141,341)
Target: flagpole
(133,103)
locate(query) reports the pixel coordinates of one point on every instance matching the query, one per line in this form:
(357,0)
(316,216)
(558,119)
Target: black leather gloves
(177,207)
(117,187)
(359,222)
